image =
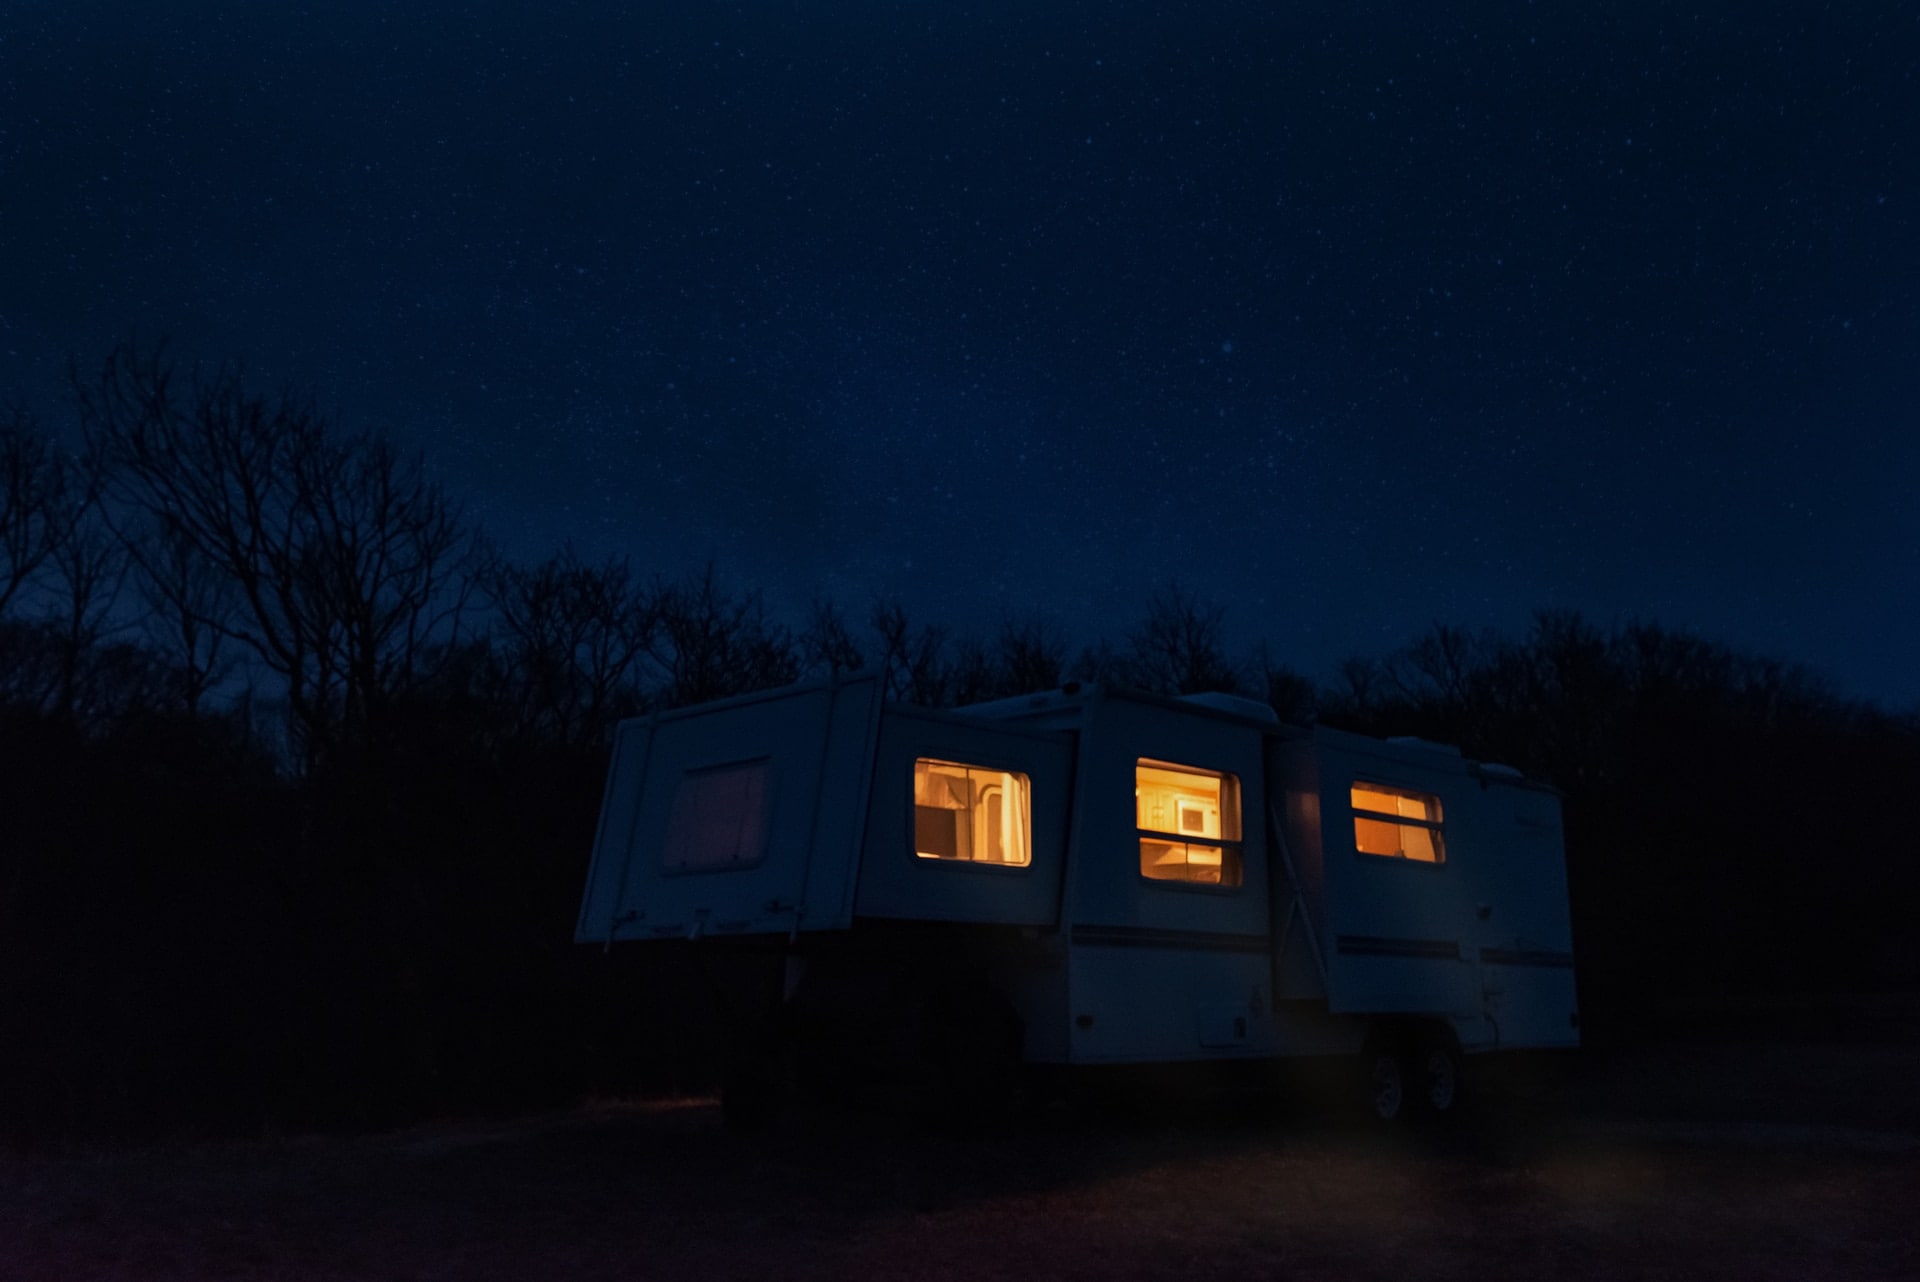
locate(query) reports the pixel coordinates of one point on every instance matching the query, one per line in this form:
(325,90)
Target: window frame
(997,766)
(1435,826)
(1238,845)
(771,777)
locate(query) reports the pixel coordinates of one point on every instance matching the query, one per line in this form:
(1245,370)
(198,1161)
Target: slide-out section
(967,822)
(1438,886)
(736,818)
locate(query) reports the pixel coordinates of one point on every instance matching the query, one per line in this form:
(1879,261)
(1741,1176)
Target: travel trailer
(1081,877)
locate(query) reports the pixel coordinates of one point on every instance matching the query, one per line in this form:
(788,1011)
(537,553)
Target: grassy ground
(1731,1158)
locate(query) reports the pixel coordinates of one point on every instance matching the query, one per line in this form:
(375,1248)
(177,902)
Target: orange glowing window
(1189,823)
(970,813)
(1397,824)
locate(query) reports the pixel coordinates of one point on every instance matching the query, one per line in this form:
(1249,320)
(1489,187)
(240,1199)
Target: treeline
(298,775)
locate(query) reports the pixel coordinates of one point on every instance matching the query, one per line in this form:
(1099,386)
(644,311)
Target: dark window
(719,818)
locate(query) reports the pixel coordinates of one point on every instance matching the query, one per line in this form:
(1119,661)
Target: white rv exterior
(1126,878)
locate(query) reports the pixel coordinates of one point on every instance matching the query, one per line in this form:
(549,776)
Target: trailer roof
(1076,695)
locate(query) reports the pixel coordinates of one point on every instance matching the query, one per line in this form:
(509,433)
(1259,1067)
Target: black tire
(1384,1082)
(1436,1079)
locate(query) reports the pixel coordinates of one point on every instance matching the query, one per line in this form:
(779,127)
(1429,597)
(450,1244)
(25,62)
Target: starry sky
(1353,316)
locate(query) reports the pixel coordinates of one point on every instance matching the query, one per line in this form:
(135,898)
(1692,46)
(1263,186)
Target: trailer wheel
(1436,1078)
(1385,1083)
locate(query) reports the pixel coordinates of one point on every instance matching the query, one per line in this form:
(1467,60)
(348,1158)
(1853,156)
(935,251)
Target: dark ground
(1725,1155)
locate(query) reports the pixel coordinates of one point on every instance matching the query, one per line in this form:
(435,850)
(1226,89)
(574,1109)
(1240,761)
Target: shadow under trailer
(892,901)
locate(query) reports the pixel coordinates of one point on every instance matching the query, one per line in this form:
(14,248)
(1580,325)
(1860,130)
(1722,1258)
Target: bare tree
(1439,666)
(1179,647)
(35,502)
(1443,676)
(1030,658)
(1362,683)
(1099,662)
(826,643)
(913,664)
(347,560)
(189,608)
(89,567)
(574,633)
(974,675)
(707,643)
(1566,686)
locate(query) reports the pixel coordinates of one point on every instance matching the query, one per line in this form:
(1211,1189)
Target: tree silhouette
(706,643)
(189,608)
(37,502)
(1179,646)
(88,568)
(571,635)
(348,562)
(827,646)
(1030,658)
(912,660)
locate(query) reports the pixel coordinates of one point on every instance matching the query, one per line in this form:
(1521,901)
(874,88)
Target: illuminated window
(970,813)
(1397,824)
(719,818)
(1189,823)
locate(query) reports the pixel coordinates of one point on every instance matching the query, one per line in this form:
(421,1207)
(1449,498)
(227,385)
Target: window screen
(719,818)
(970,813)
(1189,823)
(1397,823)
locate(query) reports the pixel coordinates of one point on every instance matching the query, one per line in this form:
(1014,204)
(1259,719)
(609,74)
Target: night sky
(1353,316)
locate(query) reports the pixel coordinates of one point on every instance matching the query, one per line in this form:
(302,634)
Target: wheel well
(1402,1033)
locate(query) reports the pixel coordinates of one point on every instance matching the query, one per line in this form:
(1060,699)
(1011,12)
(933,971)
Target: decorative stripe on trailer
(1154,937)
(1380,946)
(1526,957)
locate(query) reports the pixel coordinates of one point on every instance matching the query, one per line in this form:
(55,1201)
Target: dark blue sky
(1354,317)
